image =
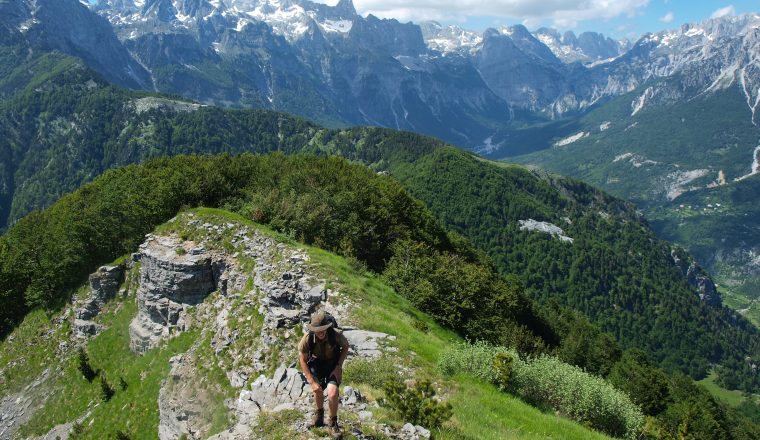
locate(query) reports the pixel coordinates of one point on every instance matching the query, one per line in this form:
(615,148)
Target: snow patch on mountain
(341,26)
(286,19)
(604,125)
(570,139)
(448,39)
(545,227)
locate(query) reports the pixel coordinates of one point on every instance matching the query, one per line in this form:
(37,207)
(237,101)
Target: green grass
(731,397)
(483,412)
(132,410)
(29,350)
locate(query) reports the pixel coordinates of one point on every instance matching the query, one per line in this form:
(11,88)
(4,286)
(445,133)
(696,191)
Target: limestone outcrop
(174,276)
(104,285)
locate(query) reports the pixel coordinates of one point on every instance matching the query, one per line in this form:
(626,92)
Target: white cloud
(667,18)
(562,12)
(722,12)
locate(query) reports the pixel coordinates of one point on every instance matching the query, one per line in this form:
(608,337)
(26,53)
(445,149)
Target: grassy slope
(480,410)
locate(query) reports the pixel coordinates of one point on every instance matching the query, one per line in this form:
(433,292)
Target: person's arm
(338,370)
(304,361)
(307,373)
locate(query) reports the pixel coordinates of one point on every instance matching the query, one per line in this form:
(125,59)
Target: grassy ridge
(480,410)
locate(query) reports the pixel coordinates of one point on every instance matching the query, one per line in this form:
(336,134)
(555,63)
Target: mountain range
(339,68)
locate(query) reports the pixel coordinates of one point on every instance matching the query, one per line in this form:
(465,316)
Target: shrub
(588,399)
(503,364)
(416,404)
(106,389)
(84,366)
(77,431)
(476,359)
(420,325)
(547,381)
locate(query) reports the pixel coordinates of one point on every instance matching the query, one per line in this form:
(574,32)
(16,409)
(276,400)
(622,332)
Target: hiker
(323,350)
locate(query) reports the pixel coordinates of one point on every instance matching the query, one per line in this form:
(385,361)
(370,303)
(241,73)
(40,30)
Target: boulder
(365,343)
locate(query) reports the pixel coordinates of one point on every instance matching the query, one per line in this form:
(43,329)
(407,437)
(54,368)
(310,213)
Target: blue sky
(616,18)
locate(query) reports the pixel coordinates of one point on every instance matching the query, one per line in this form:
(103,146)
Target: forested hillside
(614,271)
(376,224)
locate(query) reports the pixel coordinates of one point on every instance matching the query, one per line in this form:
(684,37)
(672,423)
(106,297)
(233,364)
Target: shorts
(321,370)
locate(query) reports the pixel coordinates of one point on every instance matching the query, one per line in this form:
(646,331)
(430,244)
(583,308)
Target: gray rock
(17,409)
(365,343)
(169,283)
(83,328)
(104,285)
(408,429)
(699,279)
(422,432)
(365,416)
(351,396)
(60,432)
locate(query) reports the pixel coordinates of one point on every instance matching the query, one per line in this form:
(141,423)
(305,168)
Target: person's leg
(319,400)
(332,403)
(332,399)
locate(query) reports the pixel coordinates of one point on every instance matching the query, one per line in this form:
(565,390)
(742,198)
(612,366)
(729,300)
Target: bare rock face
(698,279)
(172,278)
(104,285)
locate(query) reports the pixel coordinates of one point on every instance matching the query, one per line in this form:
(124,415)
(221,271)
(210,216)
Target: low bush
(416,404)
(106,389)
(588,399)
(84,365)
(476,359)
(546,381)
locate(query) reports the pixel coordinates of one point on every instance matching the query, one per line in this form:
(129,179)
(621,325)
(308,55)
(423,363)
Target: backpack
(331,337)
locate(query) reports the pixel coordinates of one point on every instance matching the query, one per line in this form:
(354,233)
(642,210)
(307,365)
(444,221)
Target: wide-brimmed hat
(319,322)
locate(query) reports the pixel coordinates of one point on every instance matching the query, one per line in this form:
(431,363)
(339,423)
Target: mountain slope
(479,409)
(593,275)
(662,154)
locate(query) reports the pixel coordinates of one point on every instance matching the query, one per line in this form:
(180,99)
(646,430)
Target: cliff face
(172,279)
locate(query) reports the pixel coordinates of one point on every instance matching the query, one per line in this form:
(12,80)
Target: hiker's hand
(337,372)
(315,387)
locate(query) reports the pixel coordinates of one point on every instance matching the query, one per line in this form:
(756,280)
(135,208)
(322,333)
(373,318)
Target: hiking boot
(318,419)
(334,428)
